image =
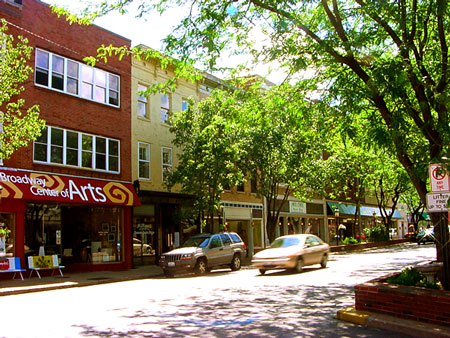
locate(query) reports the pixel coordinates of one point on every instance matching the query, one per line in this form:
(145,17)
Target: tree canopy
(18,125)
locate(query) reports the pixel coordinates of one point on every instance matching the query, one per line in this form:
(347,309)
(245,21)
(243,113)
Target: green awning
(344,209)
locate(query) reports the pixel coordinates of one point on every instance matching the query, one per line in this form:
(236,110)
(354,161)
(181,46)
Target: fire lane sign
(437,202)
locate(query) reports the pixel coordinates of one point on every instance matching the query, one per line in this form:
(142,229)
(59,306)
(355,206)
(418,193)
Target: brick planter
(409,302)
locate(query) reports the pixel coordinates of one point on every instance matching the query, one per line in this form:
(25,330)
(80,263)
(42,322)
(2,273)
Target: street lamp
(336,215)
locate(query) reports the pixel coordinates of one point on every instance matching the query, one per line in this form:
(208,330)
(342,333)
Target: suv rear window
(235,238)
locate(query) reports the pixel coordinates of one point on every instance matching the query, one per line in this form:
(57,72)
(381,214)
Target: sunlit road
(221,304)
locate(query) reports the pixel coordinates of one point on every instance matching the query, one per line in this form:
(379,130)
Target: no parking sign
(439,179)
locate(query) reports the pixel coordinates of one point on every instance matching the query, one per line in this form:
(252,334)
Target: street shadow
(294,311)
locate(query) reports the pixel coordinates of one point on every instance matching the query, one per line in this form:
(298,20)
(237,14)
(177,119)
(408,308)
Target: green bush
(349,240)
(412,277)
(377,233)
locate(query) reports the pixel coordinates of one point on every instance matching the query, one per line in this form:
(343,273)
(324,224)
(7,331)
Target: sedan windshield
(285,242)
(200,242)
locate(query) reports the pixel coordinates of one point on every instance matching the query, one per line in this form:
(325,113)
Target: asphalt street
(220,304)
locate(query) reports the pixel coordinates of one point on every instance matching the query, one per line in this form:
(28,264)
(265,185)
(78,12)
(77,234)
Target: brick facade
(43,29)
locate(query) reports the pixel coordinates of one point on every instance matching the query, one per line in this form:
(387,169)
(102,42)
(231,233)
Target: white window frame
(95,83)
(166,166)
(142,101)
(93,151)
(165,111)
(140,160)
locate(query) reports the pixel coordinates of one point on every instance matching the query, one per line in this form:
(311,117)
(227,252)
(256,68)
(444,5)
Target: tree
(18,128)
(208,138)
(281,147)
(384,60)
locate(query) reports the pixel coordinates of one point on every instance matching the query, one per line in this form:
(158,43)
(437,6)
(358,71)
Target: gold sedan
(292,252)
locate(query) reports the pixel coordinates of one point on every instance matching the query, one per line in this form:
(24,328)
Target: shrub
(376,233)
(350,240)
(412,277)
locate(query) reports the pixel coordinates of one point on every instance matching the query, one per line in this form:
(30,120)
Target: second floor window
(165,107)
(142,103)
(71,148)
(184,104)
(144,160)
(69,76)
(166,163)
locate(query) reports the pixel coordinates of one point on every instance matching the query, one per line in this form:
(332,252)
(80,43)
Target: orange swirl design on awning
(4,193)
(118,193)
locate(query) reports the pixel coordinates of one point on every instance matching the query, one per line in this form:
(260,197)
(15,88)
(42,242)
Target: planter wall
(409,302)
(354,247)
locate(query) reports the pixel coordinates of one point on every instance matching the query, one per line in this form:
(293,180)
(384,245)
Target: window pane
(86,159)
(100,145)
(56,136)
(72,86)
(72,69)
(164,115)
(72,139)
(100,94)
(100,161)
(114,82)
(57,81)
(56,154)
(87,74)
(144,170)
(142,109)
(100,78)
(165,101)
(142,97)
(113,98)
(86,142)
(113,147)
(167,156)
(113,163)
(86,90)
(184,105)
(43,137)
(40,152)
(144,153)
(72,157)
(58,64)
(41,59)
(42,77)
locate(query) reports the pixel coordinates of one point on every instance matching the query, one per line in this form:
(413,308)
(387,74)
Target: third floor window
(75,78)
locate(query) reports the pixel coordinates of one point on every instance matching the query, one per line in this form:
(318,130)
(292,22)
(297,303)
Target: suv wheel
(235,263)
(201,268)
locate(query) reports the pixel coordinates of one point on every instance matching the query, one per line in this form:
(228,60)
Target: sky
(152,29)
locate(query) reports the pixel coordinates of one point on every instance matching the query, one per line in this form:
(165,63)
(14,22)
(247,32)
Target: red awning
(65,189)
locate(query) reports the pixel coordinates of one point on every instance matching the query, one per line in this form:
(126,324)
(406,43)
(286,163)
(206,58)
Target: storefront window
(80,234)
(7,222)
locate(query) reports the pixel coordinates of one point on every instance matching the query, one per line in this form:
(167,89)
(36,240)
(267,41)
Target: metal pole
(444,232)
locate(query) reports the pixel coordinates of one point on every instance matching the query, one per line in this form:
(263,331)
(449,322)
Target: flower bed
(409,302)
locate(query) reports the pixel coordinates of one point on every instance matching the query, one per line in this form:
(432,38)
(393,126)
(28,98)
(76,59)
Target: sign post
(437,201)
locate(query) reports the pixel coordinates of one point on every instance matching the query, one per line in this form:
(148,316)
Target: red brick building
(69,192)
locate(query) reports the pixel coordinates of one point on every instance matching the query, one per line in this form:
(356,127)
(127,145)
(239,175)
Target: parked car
(425,236)
(292,252)
(202,253)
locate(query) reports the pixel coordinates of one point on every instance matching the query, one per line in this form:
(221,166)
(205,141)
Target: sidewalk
(74,279)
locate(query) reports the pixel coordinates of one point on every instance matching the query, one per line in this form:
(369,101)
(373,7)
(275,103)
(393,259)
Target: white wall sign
(297,207)
(439,178)
(437,202)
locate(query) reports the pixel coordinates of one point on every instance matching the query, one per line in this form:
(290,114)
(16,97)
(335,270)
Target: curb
(391,323)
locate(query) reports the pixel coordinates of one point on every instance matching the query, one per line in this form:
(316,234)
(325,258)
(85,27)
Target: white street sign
(437,202)
(439,178)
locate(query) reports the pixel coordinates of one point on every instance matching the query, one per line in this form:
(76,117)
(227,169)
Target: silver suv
(202,253)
